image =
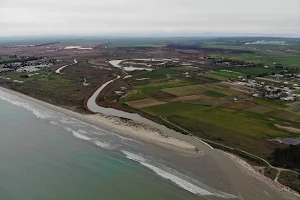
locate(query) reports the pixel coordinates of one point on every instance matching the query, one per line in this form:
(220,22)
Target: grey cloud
(31,17)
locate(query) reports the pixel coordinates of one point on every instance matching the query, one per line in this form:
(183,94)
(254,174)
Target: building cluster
(27,66)
(281,90)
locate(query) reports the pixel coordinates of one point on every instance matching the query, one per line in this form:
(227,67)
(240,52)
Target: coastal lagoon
(48,155)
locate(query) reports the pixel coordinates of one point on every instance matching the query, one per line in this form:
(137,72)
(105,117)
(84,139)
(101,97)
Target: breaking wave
(81,136)
(175,177)
(103,144)
(17,101)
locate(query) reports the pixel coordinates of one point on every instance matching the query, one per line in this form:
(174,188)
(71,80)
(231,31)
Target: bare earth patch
(186,98)
(145,103)
(238,105)
(288,128)
(239,88)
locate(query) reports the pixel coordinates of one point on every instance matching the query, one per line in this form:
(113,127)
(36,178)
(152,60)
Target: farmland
(255,71)
(160,72)
(236,128)
(163,85)
(224,74)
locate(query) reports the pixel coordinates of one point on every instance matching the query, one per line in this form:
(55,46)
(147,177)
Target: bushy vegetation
(270,172)
(288,157)
(290,179)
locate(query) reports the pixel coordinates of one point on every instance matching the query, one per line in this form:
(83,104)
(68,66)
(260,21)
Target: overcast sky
(104,17)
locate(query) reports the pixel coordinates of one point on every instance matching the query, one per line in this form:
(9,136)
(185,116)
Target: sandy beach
(121,126)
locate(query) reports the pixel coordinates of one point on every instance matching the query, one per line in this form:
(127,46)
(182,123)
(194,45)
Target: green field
(215,94)
(224,74)
(4,59)
(284,59)
(267,58)
(160,72)
(269,103)
(255,71)
(134,96)
(240,129)
(163,85)
(185,90)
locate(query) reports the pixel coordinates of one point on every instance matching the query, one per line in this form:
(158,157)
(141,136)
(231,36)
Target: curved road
(61,68)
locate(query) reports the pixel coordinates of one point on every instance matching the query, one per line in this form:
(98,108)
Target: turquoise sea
(45,155)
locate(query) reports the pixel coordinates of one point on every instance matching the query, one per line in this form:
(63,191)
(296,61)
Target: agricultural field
(160,72)
(272,58)
(224,74)
(185,90)
(236,128)
(212,93)
(163,85)
(255,71)
(269,103)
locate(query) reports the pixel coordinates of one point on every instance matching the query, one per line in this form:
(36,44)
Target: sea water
(48,155)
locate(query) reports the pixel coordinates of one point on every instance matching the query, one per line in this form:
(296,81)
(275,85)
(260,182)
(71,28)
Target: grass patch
(167,84)
(223,135)
(185,91)
(255,71)
(135,96)
(160,95)
(282,58)
(269,103)
(241,121)
(215,94)
(225,74)
(4,60)
(240,129)
(160,72)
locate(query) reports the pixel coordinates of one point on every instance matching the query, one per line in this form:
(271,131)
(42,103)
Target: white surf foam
(133,156)
(178,181)
(81,136)
(103,144)
(54,123)
(175,178)
(17,101)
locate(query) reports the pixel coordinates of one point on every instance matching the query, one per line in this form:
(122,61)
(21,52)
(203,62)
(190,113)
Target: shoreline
(249,169)
(145,133)
(120,126)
